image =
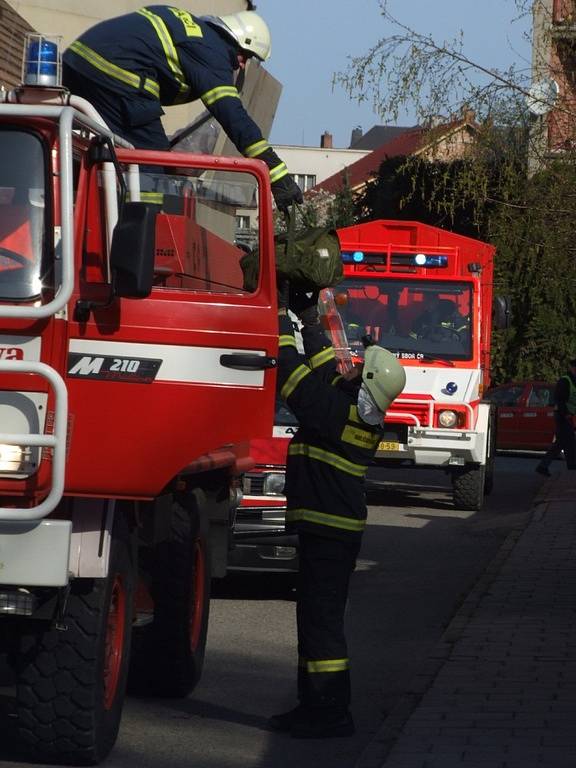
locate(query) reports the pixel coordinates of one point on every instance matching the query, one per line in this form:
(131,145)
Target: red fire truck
(134,369)
(426,294)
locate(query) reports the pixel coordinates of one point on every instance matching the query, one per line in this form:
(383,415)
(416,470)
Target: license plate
(388,445)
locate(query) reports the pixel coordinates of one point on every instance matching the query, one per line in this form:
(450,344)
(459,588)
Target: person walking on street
(130,66)
(341,424)
(564,413)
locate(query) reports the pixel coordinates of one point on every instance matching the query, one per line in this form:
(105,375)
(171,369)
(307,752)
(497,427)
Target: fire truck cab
(426,294)
(134,369)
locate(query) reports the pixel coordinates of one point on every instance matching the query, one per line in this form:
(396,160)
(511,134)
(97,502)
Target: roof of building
(379,135)
(357,173)
(407,142)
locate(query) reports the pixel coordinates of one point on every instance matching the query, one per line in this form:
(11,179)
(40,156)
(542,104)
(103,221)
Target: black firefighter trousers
(325,567)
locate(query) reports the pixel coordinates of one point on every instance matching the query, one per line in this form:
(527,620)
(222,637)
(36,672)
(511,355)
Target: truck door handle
(244,361)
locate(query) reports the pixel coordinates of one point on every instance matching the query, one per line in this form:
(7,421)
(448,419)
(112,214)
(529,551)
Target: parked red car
(524,415)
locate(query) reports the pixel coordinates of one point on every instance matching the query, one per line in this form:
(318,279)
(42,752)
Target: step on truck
(134,369)
(426,294)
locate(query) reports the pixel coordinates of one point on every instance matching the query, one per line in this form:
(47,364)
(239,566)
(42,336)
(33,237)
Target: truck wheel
(169,653)
(468,488)
(71,683)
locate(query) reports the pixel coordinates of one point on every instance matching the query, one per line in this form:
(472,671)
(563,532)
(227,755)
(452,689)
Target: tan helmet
(383,376)
(248,30)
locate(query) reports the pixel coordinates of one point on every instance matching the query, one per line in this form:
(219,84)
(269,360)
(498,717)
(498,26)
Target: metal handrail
(430,404)
(55,441)
(67,116)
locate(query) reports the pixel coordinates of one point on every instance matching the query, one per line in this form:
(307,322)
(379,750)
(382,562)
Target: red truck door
(192,364)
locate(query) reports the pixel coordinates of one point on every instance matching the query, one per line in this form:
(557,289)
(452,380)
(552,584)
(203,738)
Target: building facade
(554,71)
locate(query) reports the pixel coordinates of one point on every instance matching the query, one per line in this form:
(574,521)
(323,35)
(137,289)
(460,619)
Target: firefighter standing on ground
(340,428)
(564,414)
(130,66)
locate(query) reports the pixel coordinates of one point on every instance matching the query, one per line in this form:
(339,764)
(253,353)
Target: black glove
(286,192)
(305,305)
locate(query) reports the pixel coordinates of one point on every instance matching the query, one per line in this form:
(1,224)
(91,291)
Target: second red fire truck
(425,294)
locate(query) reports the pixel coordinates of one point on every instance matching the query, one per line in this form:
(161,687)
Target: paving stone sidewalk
(499,690)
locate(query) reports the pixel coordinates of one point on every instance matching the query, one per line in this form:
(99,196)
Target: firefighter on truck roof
(130,66)
(341,424)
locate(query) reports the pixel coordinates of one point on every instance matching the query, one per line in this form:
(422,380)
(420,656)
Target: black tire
(71,684)
(468,488)
(169,653)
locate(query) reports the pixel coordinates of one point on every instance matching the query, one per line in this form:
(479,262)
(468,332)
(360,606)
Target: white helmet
(383,376)
(247,29)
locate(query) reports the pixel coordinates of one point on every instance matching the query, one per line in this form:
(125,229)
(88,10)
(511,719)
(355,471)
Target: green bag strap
(291,240)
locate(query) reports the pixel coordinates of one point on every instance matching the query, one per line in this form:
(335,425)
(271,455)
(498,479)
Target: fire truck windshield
(418,319)
(22,215)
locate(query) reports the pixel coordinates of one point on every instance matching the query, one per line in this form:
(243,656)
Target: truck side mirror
(132,251)
(502,315)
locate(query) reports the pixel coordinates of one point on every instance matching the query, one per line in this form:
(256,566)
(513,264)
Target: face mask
(367,409)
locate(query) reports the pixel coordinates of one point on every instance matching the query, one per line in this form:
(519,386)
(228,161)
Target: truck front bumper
(429,447)
(35,553)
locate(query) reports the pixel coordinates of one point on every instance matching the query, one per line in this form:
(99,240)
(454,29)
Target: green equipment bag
(309,258)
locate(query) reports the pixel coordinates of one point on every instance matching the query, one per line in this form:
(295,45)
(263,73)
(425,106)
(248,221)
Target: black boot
(286,720)
(542,470)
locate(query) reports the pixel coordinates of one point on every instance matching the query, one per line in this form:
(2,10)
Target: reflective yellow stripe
(321,518)
(190,26)
(152,197)
(287,340)
(359,437)
(293,380)
(169,50)
(123,75)
(256,149)
(222,92)
(278,172)
(353,415)
(336,379)
(320,358)
(338,462)
(328,665)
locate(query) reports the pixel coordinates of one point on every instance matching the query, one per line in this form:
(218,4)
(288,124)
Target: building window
(242,222)
(305,181)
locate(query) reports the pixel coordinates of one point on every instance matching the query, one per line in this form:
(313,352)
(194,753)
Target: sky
(313,39)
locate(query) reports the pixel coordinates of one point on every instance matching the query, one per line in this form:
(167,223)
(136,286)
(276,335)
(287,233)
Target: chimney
(326,140)
(357,134)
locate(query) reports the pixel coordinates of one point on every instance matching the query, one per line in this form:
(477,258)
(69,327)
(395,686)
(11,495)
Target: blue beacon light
(423,260)
(41,66)
(358,257)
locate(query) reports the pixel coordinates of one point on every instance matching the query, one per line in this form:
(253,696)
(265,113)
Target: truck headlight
(448,418)
(274,484)
(11,457)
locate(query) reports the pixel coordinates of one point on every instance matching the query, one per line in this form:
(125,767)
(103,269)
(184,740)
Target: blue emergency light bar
(361,257)
(42,61)
(425,260)
(429,261)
